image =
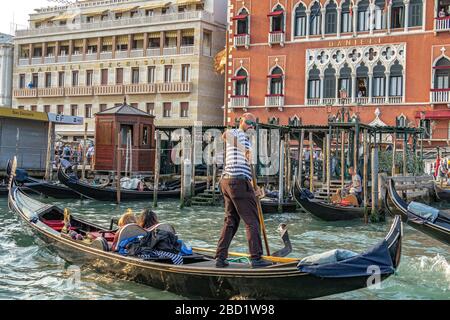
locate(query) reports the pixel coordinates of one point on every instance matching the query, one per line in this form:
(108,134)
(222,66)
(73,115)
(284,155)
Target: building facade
(299,62)
(6,69)
(87,57)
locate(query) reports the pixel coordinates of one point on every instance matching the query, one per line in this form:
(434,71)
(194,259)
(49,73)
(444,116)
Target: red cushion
(108,236)
(56,225)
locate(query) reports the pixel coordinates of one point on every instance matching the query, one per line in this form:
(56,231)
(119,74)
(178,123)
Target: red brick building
(296,62)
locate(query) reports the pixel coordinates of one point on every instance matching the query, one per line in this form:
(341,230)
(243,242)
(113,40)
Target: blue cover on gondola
(21,175)
(357,266)
(306,194)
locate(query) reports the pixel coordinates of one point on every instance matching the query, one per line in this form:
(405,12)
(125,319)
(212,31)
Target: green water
(28,270)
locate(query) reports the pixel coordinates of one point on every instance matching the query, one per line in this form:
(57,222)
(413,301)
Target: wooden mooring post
(157,168)
(118,167)
(366,176)
(300,157)
(374,210)
(394,153)
(342,159)
(280,178)
(83,170)
(311,162)
(49,165)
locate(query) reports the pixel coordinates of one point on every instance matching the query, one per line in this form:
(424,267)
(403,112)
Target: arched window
(273,120)
(315,21)
(345,78)
(277,19)
(346,17)
(331,18)
(401,121)
(379,80)
(379,15)
(300,21)
(295,121)
(442,74)
(314,83)
(396,80)
(363,15)
(241,83)
(397,14)
(362,79)
(415,13)
(242,22)
(276,82)
(329,85)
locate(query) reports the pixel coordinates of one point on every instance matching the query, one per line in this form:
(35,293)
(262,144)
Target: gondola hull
(270,206)
(442,194)
(110,194)
(438,231)
(283,281)
(326,211)
(52,190)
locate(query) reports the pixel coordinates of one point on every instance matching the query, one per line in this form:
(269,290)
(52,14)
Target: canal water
(28,270)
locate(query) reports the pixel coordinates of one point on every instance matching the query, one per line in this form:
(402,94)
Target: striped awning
(138,37)
(92,41)
(95,13)
(78,43)
(124,9)
(171,34)
(122,40)
(64,43)
(107,41)
(65,17)
(186,2)
(41,20)
(156,5)
(154,35)
(187,33)
(51,44)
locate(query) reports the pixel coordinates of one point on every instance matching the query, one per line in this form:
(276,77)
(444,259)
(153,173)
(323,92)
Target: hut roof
(125,109)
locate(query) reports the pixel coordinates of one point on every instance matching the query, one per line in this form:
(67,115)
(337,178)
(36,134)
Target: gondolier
(239,195)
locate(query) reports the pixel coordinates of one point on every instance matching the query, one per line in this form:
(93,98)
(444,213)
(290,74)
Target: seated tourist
(149,221)
(127,218)
(355,188)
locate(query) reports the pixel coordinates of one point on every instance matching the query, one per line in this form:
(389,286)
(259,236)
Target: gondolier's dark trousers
(240,203)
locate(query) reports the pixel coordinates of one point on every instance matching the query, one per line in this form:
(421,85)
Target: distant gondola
(198,277)
(270,205)
(110,193)
(439,229)
(442,194)
(326,211)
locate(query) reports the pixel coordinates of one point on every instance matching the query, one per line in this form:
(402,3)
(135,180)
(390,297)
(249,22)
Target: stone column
(338,22)
(387,76)
(370,86)
(406,24)
(353,87)
(44,51)
(56,51)
(70,49)
(322,11)
(355,19)
(322,82)
(99,47)
(337,87)
(308,17)
(161,42)
(30,54)
(85,46)
(388,22)
(179,41)
(145,45)
(403,86)
(130,44)
(371,17)
(114,46)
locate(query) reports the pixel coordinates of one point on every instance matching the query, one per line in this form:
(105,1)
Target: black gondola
(270,205)
(197,277)
(110,193)
(439,229)
(323,210)
(442,194)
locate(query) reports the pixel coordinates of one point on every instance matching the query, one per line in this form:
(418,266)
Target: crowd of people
(440,170)
(74,153)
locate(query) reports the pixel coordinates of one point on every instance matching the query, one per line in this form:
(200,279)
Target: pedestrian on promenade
(239,195)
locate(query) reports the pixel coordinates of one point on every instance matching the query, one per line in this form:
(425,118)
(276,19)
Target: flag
(220,61)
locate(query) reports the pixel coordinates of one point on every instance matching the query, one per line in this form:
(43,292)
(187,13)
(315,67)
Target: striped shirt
(236,164)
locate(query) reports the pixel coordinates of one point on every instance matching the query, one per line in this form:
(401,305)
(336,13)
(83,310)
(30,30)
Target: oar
(260,213)
(245,255)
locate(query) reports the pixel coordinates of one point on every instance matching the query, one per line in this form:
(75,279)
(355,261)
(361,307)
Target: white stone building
(6,69)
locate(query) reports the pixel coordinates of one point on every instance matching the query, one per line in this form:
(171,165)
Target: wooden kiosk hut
(127,133)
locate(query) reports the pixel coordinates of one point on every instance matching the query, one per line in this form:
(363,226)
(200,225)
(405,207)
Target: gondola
(326,211)
(110,193)
(198,277)
(442,194)
(271,205)
(439,229)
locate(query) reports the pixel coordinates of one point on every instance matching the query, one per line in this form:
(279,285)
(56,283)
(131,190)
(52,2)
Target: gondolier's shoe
(260,263)
(222,263)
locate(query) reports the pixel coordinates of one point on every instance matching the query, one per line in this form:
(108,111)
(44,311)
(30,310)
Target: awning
(187,33)
(41,20)
(437,114)
(51,44)
(124,9)
(441,67)
(120,40)
(276,13)
(240,17)
(186,2)
(171,34)
(78,43)
(65,17)
(275,76)
(154,35)
(92,41)
(238,78)
(156,5)
(107,41)
(138,37)
(64,43)
(94,13)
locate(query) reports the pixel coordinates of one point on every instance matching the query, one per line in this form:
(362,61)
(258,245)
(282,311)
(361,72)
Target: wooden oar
(245,255)
(260,213)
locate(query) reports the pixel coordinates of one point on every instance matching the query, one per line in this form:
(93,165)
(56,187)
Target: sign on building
(64,119)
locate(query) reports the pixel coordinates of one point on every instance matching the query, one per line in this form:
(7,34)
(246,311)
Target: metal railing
(239,102)
(275,101)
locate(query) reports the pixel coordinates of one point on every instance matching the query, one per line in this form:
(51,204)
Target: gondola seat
(109,236)
(130,231)
(100,244)
(56,225)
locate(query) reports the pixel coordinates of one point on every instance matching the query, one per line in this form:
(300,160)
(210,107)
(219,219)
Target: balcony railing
(239,102)
(362,100)
(91,56)
(25,93)
(396,99)
(78,91)
(141,88)
(442,24)
(440,95)
(36,60)
(187,50)
(115,23)
(137,53)
(329,101)
(121,54)
(275,101)
(358,101)
(49,59)
(62,59)
(276,37)
(175,87)
(50,92)
(153,52)
(105,55)
(24,61)
(242,40)
(344,101)
(378,100)
(313,101)
(108,90)
(170,51)
(77,57)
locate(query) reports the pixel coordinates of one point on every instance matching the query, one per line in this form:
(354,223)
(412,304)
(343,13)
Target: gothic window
(314,83)
(273,120)
(396,80)
(379,20)
(276,82)
(331,18)
(415,13)
(242,23)
(345,80)
(315,22)
(277,19)
(329,86)
(379,79)
(400,122)
(346,17)
(295,121)
(397,14)
(362,80)
(442,74)
(363,15)
(300,21)
(240,83)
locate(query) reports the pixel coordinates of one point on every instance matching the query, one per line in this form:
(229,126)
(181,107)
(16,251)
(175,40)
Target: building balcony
(313,101)
(141,88)
(242,40)
(91,56)
(36,60)
(117,23)
(362,100)
(275,101)
(25,93)
(121,54)
(378,100)
(50,92)
(329,101)
(136,53)
(24,61)
(239,102)
(77,57)
(62,59)
(187,50)
(276,37)
(153,52)
(175,87)
(440,95)
(442,24)
(108,90)
(170,51)
(357,101)
(50,59)
(395,99)
(105,55)
(78,91)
